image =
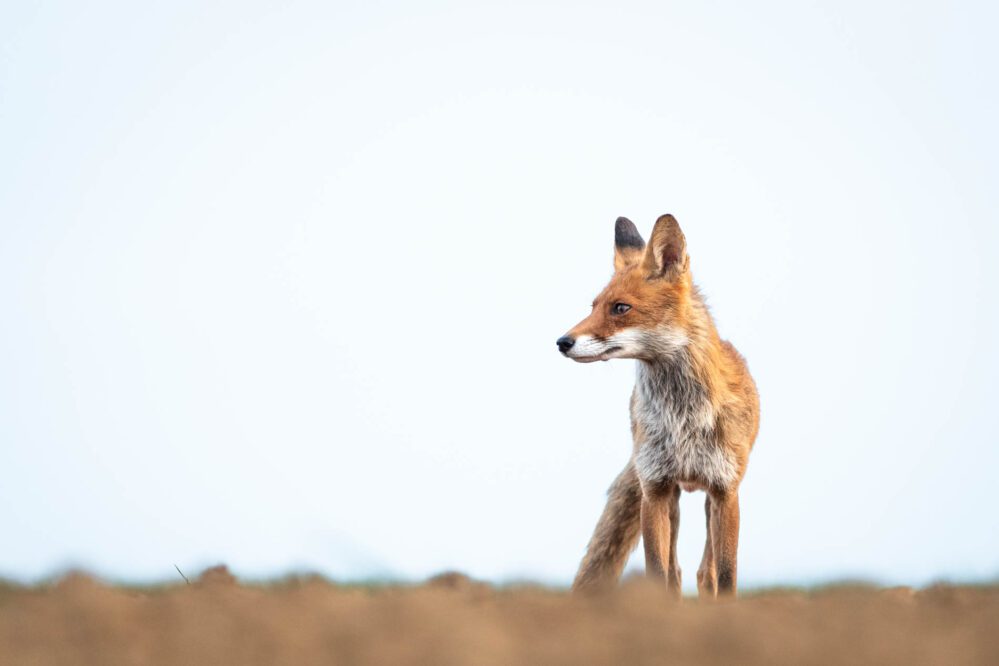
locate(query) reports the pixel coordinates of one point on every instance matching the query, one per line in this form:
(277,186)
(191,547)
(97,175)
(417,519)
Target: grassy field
(452,620)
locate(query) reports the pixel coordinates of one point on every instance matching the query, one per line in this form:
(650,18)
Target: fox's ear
(628,243)
(666,255)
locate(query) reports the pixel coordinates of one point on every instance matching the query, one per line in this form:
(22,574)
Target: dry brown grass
(451,620)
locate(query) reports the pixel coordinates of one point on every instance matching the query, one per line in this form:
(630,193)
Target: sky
(280,282)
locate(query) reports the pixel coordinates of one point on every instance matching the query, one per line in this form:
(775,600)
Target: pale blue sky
(280,282)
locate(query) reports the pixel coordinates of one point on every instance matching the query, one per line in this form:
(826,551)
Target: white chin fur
(593,359)
(629,343)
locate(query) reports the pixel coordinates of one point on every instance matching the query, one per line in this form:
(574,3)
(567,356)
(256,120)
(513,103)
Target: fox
(695,415)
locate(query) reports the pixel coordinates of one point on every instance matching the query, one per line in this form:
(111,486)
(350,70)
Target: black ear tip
(626,234)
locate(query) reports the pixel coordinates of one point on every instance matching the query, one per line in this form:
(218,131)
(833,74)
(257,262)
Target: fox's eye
(620,308)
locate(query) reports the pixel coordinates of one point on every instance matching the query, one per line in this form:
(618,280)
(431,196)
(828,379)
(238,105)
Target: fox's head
(644,312)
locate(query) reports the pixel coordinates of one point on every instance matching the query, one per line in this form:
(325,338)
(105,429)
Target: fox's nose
(565,343)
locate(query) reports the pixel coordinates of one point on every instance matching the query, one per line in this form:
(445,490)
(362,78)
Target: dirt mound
(454,620)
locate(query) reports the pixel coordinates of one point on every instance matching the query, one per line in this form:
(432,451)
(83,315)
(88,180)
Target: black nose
(565,343)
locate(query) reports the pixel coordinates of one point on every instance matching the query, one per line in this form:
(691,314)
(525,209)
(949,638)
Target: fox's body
(694,413)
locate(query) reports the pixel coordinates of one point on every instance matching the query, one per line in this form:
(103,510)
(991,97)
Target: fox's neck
(670,380)
(691,368)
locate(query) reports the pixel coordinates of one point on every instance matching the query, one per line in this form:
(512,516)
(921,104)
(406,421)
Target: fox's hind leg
(615,536)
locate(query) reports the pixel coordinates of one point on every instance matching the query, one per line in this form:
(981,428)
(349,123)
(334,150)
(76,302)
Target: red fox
(695,414)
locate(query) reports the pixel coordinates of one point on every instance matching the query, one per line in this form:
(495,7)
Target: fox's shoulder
(733,356)
(742,387)
(736,366)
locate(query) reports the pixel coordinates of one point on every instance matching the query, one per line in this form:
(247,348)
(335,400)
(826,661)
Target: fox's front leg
(725,538)
(706,572)
(673,578)
(659,512)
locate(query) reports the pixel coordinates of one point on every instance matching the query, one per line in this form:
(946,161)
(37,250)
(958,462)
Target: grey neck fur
(677,422)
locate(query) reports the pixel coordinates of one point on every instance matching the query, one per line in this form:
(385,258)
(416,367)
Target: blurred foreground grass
(451,619)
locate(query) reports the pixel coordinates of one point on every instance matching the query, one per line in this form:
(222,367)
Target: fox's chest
(676,431)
